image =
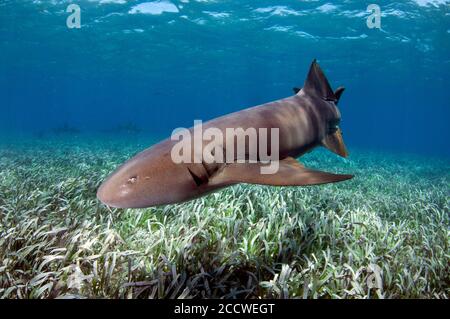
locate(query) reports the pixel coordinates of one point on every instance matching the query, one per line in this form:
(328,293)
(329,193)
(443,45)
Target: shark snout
(102,195)
(108,195)
(119,189)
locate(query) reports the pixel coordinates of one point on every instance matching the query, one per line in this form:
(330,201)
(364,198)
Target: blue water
(177,61)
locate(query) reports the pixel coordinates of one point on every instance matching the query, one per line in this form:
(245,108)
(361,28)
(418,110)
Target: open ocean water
(77,102)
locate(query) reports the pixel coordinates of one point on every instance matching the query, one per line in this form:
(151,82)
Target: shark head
(150,178)
(317,86)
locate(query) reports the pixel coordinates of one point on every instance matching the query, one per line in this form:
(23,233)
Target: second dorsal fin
(317,84)
(338,93)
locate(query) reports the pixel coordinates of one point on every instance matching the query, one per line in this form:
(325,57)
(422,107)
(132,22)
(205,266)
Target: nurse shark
(304,121)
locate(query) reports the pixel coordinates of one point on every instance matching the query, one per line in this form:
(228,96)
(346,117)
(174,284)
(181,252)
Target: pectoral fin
(290,173)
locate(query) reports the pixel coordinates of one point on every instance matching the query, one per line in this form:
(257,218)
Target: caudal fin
(335,143)
(317,84)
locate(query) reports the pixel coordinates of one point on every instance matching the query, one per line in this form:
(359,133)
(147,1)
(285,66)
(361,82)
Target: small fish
(308,119)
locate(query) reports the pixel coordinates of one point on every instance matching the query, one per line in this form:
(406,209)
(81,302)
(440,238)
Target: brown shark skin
(151,178)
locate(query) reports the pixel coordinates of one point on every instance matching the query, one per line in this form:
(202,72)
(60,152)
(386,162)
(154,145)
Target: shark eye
(132,180)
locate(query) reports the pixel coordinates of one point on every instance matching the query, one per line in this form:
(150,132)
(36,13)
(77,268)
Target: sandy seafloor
(383,234)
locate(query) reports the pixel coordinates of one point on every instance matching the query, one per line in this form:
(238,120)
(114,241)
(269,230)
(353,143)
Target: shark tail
(335,143)
(317,83)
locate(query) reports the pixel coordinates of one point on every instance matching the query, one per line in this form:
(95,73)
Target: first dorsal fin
(317,84)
